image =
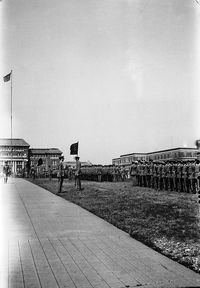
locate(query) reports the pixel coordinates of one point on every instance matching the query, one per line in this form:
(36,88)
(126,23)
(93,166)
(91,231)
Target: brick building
(43,159)
(21,157)
(15,152)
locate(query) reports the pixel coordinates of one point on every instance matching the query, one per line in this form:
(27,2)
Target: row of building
(175,154)
(21,157)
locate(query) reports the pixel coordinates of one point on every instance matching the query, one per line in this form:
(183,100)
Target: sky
(119,76)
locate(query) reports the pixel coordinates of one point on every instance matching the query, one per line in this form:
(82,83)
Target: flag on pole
(74,149)
(7,77)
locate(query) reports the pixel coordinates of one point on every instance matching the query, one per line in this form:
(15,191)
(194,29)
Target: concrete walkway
(49,242)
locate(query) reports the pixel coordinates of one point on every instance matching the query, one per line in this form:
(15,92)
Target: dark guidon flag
(7,77)
(74,149)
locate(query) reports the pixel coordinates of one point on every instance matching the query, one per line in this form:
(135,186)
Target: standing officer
(61,174)
(78,173)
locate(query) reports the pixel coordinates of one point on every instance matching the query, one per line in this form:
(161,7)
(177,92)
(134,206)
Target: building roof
(73,163)
(45,151)
(166,150)
(173,149)
(132,154)
(15,142)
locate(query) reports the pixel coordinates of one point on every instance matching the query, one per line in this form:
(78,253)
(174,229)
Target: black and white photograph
(99,143)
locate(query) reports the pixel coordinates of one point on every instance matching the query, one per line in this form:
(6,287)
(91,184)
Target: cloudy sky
(119,76)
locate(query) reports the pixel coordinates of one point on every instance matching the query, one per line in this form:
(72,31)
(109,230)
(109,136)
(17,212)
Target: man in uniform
(169,177)
(133,172)
(99,173)
(191,170)
(6,172)
(160,174)
(185,177)
(155,178)
(145,173)
(151,173)
(139,173)
(61,174)
(196,176)
(174,174)
(78,173)
(179,176)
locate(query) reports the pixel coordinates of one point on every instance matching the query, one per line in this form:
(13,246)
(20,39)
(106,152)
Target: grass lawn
(169,222)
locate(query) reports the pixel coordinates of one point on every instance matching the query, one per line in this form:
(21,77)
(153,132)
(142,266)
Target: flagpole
(11,108)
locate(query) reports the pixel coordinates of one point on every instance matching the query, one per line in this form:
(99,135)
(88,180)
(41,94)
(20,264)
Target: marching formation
(171,175)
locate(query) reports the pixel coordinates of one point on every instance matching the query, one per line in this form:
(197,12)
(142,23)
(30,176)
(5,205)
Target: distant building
(183,154)
(21,158)
(15,152)
(72,164)
(43,159)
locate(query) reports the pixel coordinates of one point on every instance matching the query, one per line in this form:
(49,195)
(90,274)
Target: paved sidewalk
(49,242)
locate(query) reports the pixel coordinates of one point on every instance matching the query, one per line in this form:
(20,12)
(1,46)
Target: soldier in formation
(170,176)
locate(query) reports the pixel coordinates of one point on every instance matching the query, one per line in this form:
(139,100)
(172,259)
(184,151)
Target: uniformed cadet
(168,177)
(164,176)
(191,176)
(139,173)
(159,172)
(133,172)
(148,174)
(155,176)
(185,177)
(151,173)
(99,172)
(78,173)
(144,173)
(179,176)
(196,176)
(174,173)
(123,173)
(61,174)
